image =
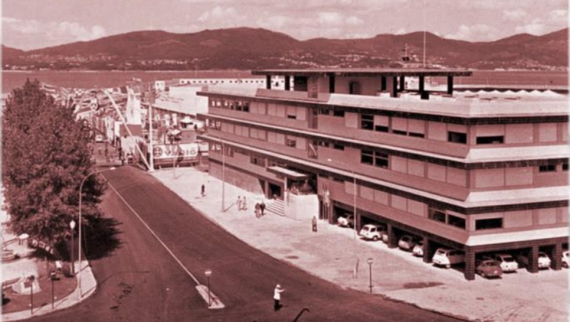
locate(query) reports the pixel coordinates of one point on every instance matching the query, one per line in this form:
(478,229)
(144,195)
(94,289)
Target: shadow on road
(101,237)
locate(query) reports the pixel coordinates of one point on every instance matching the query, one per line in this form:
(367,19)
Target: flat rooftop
(365,72)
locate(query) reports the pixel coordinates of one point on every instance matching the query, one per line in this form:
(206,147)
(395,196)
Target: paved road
(140,281)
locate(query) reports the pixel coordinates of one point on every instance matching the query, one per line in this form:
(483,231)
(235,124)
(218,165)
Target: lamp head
(72,224)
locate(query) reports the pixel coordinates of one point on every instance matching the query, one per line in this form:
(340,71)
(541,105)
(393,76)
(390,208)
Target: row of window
(552,167)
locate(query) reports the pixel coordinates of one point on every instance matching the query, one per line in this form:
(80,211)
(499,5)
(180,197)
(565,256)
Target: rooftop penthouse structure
(476,172)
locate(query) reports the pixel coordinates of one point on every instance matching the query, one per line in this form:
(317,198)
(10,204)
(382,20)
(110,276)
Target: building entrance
(275,191)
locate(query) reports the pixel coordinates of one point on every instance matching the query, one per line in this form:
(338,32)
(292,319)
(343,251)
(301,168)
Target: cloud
(514,15)
(222,17)
(536,27)
(42,34)
(558,17)
(478,32)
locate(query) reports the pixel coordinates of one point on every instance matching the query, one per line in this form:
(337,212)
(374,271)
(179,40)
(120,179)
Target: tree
(44,158)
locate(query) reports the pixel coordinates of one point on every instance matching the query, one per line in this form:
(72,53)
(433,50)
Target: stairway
(275,206)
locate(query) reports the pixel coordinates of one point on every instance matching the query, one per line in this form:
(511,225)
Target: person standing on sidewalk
(277,297)
(257,210)
(262,207)
(244,203)
(314,222)
(239,203)
(203,190)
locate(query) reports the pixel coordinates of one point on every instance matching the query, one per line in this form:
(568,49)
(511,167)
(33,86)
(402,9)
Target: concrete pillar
(533,260)
(392,238)
(402,83)
(357,223)
(450,85)
(429,250)
(268,81)
(422,84)
(394,89)
(332,84)
(556,257)
(383,83)
(287,83)
(469,264)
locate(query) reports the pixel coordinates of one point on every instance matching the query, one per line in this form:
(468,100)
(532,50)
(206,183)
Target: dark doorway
(275,191)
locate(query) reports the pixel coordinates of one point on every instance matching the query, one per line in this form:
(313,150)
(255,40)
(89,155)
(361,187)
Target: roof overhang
(290,174)
(368,72)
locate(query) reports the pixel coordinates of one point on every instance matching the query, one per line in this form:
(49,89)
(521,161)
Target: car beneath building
(507,262)
(543,260)
(407,243)
(447,257)
(372,232)
(418,249)
(346,221)
(488,268)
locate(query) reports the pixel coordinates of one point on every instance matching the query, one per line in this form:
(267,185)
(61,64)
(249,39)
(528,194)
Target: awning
(290,174)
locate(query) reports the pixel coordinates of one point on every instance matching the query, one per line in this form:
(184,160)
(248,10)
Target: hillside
(248,48)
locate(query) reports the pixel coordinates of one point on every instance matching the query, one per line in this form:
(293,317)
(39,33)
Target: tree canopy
(45,156)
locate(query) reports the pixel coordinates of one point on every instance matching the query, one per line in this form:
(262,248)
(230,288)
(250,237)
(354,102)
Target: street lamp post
(72,226)
(52,277)
(80,200)
(370,261)
(208,273)
(31,280)
(223,177)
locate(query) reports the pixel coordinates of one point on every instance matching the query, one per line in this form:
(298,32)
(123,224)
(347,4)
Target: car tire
(375,238)
(448,266)
(564,265)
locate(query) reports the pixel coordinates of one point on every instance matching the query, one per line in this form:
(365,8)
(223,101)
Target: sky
(32,24)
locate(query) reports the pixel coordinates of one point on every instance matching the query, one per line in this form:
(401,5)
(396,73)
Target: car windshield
(441,252)
(508,259)
(542,256)
(365,228)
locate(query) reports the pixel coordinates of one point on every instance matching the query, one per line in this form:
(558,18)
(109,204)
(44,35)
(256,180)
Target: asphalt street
(140,281)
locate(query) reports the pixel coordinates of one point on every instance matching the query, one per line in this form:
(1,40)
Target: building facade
(481,173)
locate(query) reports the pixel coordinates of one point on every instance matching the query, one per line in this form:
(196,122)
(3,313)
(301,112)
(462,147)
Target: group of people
(259,209)
(241,203)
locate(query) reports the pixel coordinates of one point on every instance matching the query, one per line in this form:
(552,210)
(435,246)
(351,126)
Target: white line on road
(155,235)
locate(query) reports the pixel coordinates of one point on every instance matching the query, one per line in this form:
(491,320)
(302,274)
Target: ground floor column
(429,250)
(469,264)
(556,256)
(533,259)
(392,238)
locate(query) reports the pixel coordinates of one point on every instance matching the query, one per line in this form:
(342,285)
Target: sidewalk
(332,254)
(88,286)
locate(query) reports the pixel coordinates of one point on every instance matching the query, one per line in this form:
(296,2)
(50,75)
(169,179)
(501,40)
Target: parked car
(488,268)
(346,221)
(543,260)
(507,262)
(447,257)
(407,243)
(419,249)
(99,138)
(370,231)
(565,259)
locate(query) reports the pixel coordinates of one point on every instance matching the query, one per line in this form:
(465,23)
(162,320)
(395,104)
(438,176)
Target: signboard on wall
(182,152)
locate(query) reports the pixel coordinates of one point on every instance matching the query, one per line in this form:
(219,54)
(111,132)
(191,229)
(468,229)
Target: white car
(543,260)
(373,232)
(565,259)
(447,257)
(507,262)
(346,221)
(418,249)
(407,242)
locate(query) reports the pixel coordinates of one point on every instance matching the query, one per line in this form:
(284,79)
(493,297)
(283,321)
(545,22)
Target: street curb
(61,304)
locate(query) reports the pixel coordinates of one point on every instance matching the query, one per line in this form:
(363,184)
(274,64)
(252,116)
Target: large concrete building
(479,173)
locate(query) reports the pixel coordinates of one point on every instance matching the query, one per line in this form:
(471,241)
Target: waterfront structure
(480,173)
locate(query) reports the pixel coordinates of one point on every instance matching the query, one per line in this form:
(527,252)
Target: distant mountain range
(247,49)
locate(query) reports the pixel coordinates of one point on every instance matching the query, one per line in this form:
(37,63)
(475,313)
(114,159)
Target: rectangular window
(337,179)
(367,157)
(246,106)
(417,135)
(436,214)
(257,160)
(293,117)
(324,111)
(547,168)
(338,147)
(457,137)
(229,152)
(399,132)
(290,142)
(381,128)
(492,223)
(490,139)
(367,122)
(456,221)
(564,166)
(323,143)
(381,160)
(338,113)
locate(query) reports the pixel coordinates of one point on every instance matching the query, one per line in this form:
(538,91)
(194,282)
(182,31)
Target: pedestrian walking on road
(277,297)
(239,203)
(257,210)
(314,222)
(262,208)
(244,203)
(203,190)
